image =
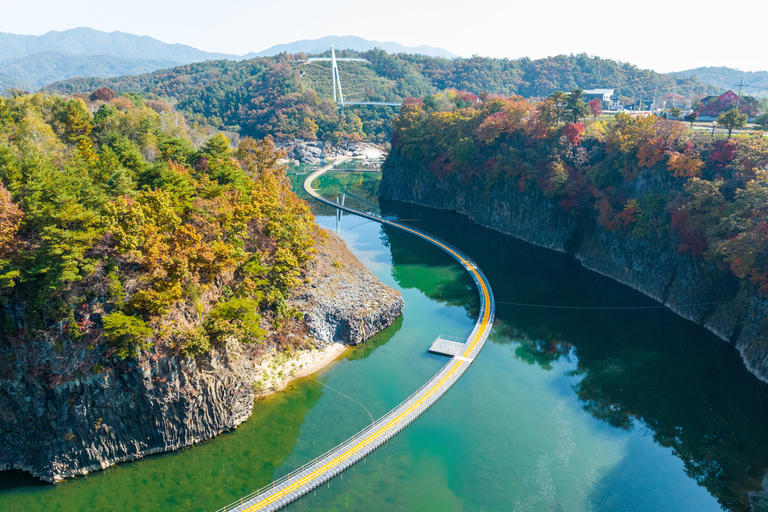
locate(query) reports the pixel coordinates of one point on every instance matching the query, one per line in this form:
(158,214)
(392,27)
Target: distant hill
(286,97)
(729,78)
(40,69)
(87,41)
(31,62)
(314,46)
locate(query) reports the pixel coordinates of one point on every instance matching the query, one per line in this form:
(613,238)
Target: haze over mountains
(351,43)
(729,78)
(32,62)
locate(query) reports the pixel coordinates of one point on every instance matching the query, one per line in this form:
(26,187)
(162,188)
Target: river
(581,408)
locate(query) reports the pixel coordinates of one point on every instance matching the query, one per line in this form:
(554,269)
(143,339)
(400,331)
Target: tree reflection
(643,366)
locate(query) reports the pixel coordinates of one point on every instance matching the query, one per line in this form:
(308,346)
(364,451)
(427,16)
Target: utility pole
(738,98)
(653,105)
(674,96)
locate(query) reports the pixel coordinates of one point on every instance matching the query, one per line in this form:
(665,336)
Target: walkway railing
(325,467)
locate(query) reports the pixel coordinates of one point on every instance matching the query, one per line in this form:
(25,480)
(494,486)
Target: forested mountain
(285,97)
(350,43)
(36,71)
(31,62)
(87,41)
(729,78)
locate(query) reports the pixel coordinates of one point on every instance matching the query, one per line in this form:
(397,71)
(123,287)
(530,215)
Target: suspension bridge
(337,82)
(462,351)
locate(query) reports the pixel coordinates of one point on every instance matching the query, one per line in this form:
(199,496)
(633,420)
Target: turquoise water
(572,410)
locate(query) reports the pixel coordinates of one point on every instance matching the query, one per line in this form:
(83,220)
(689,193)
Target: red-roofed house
(716,105)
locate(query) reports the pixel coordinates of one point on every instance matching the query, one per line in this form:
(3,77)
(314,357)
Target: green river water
(563,410)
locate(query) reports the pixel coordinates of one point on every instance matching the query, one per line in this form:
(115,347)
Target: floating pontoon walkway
(448,346)
(283,491)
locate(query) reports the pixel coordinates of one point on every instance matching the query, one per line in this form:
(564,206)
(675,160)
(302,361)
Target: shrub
(128,334)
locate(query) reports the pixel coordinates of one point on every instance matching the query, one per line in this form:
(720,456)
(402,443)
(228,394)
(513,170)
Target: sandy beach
(279,373)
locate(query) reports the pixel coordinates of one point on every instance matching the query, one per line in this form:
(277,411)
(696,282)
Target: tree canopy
(642,175)
(116,207)
(287,98)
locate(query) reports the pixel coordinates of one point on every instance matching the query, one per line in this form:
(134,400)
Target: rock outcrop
(56,428)
(343,300)
(724,305)
(308,153)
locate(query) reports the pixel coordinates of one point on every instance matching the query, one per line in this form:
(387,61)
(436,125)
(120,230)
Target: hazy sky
(665,35)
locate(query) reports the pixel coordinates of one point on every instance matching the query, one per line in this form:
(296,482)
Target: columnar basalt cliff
(695,290)
(126,409)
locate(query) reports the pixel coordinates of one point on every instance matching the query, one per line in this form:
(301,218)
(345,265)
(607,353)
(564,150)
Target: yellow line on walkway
(458,362)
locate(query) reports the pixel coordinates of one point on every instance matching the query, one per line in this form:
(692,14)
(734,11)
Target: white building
(600,94)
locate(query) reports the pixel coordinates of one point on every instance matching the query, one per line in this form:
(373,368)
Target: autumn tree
(550,111)
(575,107)
(103,94)
(10,216)
(732,119)
(745,246)
(596,107)
(675,112)
(572,132)
(691,117)
(257,156)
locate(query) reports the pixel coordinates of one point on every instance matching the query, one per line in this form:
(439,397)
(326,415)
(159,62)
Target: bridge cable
(345,396)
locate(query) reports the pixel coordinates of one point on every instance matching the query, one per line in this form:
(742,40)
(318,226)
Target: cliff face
(723,305)
(55,428)
(343,300)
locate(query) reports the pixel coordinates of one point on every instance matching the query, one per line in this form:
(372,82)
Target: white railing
(455,365)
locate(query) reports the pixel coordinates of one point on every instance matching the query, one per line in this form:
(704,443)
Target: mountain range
(32,62)
(314,46)
(756,82)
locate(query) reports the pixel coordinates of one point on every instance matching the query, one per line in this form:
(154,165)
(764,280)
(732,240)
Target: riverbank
(695,290)
(280,370)
(160,402)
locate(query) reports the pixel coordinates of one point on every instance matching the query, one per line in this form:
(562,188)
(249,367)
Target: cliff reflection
(636,365)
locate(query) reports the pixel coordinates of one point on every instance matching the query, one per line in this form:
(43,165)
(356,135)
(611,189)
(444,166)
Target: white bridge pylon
(336,79)
(337,82)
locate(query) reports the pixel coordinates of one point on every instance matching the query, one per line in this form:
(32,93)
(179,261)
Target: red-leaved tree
(572,132)
(596,107)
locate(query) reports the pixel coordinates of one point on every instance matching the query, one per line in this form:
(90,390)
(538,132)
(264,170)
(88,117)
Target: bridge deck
(380,103)
(315,473)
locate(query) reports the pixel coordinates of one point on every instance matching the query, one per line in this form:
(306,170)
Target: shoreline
(310,362)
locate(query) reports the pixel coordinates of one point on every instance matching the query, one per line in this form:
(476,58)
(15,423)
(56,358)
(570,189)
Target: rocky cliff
(118,410)
(693,289)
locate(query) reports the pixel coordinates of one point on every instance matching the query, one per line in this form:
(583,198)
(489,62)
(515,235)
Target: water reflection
(205,477)
(644,368)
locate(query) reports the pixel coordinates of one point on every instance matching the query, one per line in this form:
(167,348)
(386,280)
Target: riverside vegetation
(118,216)
(152,282)
(618,184)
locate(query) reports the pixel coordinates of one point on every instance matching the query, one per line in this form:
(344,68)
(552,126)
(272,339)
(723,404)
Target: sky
(663,35)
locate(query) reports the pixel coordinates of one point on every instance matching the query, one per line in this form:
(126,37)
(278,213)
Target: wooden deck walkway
(283,491)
